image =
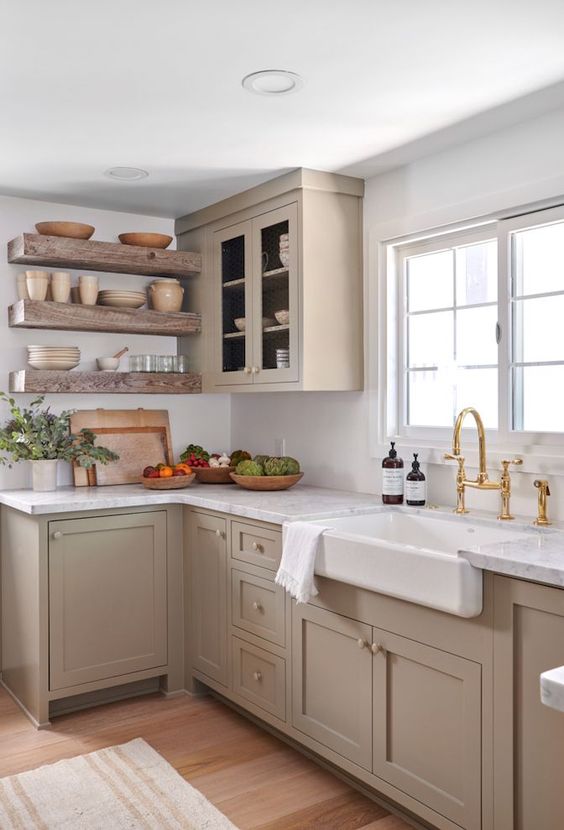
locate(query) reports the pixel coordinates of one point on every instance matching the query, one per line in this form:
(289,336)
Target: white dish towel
(300,543)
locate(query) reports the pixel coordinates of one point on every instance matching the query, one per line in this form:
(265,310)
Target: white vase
(44,474)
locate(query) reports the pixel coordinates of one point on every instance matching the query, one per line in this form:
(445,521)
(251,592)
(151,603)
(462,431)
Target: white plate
(122,302)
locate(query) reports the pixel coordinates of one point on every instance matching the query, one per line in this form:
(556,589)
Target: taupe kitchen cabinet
(528,736)
(292,244)
(90,602)
(107,597)
(207,545)
(407,712)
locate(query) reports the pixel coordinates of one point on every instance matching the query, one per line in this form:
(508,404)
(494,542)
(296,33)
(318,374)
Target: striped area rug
(129,786)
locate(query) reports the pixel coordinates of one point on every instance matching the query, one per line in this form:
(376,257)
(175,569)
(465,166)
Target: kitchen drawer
(256,545)
(259,677)
(259,606)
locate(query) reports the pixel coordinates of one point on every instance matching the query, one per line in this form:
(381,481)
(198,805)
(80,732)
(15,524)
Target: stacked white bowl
(56,358)
(122,299)
(284,252)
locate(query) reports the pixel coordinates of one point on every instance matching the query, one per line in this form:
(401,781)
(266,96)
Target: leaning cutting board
(139,436)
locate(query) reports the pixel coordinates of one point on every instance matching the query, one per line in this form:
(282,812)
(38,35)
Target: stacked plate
(122,299)
(53,357)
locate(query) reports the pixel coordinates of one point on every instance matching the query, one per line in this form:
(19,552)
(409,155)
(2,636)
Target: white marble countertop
(301,502)
(552,688)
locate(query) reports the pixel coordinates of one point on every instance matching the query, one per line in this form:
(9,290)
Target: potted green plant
(40,436)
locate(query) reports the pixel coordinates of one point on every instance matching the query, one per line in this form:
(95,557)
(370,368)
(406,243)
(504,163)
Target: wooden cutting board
(139,436)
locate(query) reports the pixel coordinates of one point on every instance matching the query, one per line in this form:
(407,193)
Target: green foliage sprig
(35,434)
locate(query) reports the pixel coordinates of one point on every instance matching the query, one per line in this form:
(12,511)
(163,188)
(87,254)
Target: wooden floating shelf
(112,257)
(33,314)
(114,383)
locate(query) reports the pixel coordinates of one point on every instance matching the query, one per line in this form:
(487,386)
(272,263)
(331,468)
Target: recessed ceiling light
(273,82)
(126,174)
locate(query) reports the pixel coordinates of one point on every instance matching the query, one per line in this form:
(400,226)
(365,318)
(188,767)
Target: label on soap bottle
(415,491)
(392,481)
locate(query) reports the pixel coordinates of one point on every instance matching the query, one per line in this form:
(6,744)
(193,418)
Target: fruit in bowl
(167,477)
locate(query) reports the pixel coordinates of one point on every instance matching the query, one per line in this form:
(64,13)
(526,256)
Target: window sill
(536,460)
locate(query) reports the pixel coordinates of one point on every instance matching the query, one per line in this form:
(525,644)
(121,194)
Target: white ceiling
(157,85)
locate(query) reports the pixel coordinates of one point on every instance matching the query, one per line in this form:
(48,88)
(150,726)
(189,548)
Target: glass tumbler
(180,363)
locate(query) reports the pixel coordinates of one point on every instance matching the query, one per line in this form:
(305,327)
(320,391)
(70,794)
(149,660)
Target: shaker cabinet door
(332,681)
(107,597)
(427,726)
(208,557)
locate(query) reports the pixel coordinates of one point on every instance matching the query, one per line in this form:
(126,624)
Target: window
(476,318)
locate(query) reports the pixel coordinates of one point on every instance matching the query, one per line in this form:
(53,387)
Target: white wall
(203,419)
(330,432)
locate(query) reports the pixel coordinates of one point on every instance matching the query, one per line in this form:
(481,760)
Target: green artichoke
(248,468)
(292,466)
(275,467)
(239,455)
(261,459)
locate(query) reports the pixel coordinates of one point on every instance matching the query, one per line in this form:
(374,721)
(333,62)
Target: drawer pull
(57,534)
(220,534)
(362,643)
(378,648)
(257,606)
(258,676)
(258,547)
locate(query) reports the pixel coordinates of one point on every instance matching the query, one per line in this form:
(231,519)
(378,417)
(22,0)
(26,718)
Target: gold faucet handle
(505,463)
(542,485)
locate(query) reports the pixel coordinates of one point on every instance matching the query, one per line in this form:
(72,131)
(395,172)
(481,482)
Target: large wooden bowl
(72,230)
(171,483)
(266,482)
(214,475)
(146,240)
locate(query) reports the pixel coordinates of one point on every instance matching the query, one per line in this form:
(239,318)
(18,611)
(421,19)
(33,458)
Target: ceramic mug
(37,284)
(23,293)
(88,290)
(61,286)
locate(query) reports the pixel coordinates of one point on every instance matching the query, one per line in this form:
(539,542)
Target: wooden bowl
(266,482)
(72,230)
(171,483)
(214,475)
(146,240)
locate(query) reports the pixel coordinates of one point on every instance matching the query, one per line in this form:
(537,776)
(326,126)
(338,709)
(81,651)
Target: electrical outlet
(279,446)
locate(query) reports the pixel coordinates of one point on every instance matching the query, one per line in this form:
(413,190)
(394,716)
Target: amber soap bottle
(392,478)
(415,485)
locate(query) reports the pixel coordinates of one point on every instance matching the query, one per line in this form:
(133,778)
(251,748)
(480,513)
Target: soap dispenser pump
(415,485)
(392,478)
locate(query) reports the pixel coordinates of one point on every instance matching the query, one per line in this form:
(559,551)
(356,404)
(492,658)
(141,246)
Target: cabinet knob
(57,534)
(257,606)
(255,370)
(220,534)
(256,546)
(378,648)
(361,643)
(247,370)
(258,676)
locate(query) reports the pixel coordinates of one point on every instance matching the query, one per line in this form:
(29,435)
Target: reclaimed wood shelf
(112,257)
(34,314)
(114,383)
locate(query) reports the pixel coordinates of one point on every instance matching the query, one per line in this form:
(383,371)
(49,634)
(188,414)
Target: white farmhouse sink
(409,556)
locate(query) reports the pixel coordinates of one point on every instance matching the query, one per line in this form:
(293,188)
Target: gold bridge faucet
(481,482)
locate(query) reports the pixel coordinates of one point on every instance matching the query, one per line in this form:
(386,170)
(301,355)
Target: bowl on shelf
(107,364)
(55,358)
(240,323)
(146,240)
(282,316)
(171,483)
(214,475)
(266,482)
(72,230)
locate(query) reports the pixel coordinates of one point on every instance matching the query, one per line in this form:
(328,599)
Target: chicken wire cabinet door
(107,597)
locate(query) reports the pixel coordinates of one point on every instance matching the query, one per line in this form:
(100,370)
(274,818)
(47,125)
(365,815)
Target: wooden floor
(252,777)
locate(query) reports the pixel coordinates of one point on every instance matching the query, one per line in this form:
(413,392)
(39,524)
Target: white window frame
(545,450)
